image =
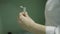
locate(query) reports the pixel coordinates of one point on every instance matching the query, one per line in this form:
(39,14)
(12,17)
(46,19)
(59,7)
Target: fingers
(22,16)
(25,14)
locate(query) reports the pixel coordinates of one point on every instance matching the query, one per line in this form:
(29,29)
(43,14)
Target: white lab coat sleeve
(50,30)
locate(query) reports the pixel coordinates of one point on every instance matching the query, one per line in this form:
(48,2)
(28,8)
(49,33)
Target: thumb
(26,13)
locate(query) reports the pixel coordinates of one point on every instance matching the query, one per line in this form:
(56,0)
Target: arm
(28,24)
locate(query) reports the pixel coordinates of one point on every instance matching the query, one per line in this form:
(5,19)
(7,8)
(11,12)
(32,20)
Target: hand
(25,21)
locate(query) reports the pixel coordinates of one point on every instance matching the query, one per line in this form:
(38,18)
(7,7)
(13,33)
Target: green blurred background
(9,10)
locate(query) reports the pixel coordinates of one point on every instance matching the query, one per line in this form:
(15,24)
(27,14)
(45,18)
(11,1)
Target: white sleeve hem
(50,29)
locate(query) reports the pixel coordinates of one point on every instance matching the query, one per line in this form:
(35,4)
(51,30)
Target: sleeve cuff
(50,29)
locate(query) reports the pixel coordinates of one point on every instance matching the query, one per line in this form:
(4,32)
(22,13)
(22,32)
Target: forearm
(36,28)
(40,29)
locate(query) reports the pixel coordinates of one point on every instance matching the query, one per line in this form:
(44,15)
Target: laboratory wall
(0,26)
(9,10)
